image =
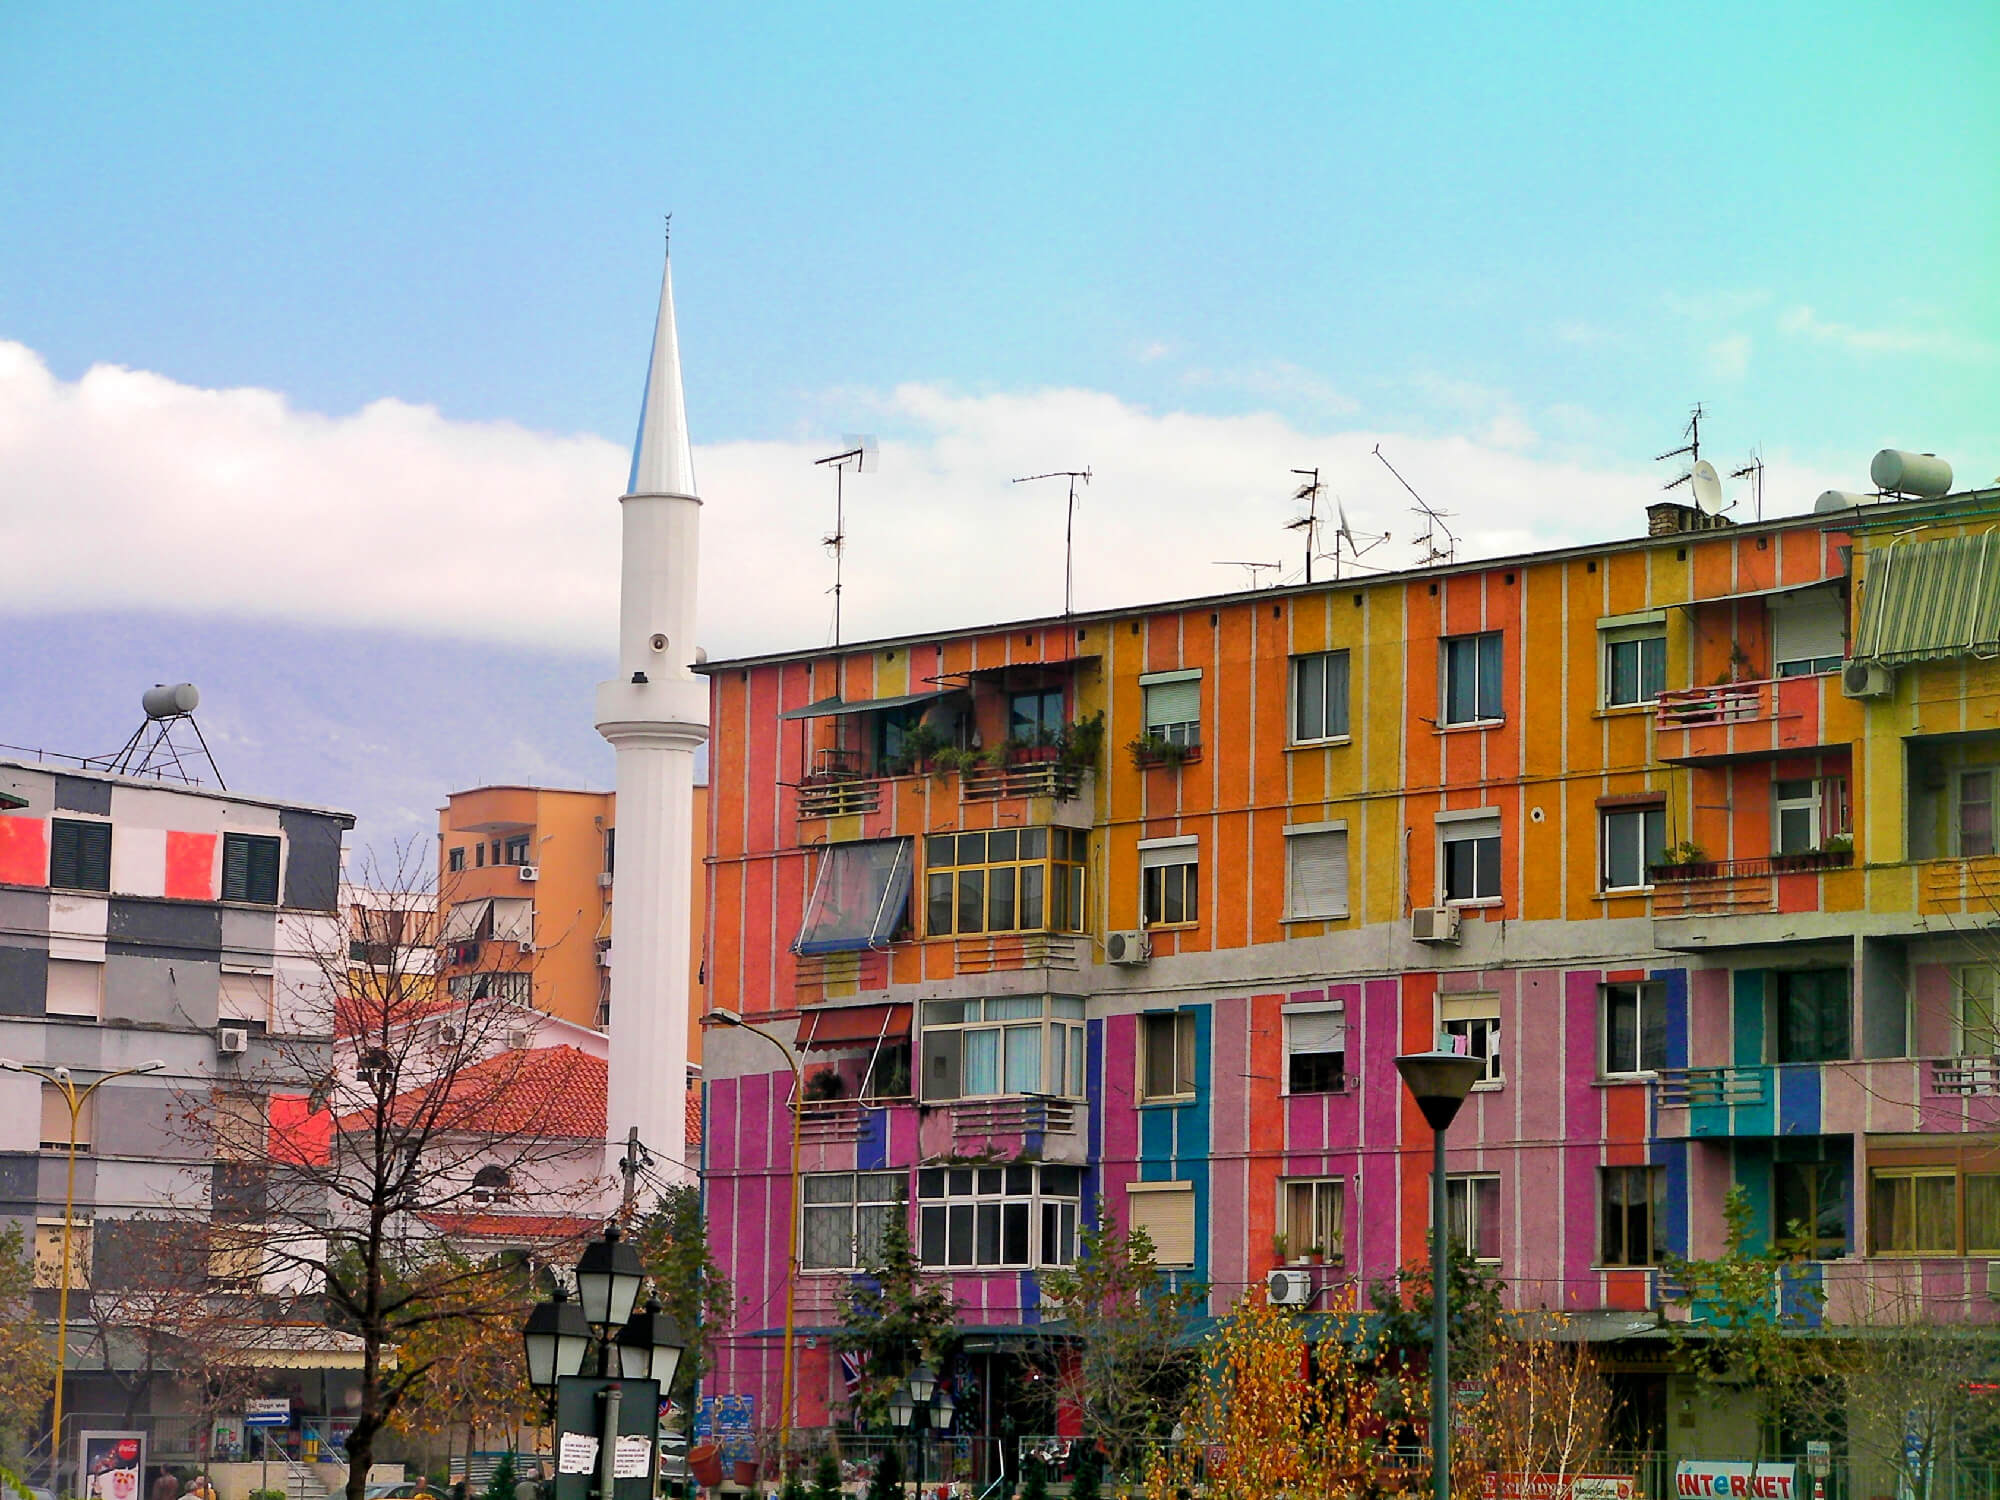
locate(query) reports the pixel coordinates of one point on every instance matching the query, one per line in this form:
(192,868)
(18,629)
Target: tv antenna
(1691,448)
(1069,529)
(860,456)
(1309,522)
(1433,521)
(1252,568)
(152,750)
(1753,470)
(1344,543)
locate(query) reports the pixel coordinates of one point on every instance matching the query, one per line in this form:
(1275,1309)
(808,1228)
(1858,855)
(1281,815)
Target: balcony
(836,787)
(1004,952)
(1034,1114)
(1043,776)
(1719,1101)
(1959,885)
(839,1122)
(1732,720)
(1962,1076)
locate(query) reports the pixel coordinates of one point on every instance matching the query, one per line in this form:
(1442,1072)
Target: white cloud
(1729,357)
(1279,380)
(1938,343)
(128,489)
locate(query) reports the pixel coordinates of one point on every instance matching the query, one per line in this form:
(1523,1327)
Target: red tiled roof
(541,1228)
(547,1092)
(694,1115)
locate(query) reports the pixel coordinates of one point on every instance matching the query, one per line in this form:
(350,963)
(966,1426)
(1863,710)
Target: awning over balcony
(1931,601)
(1775,592)
(827,708)
(853,1026)
(466,920)
(860,898)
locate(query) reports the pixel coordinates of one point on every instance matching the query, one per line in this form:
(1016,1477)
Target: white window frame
(1182,853)
(1186,1069)
(1471,826)
(1649,628)
(1648,993)
(987,1195)
(1460,1186)
(1157,706)
(1297,838)
(1810,804)
(1476,1018)
(1318,1193)
(1317,1009)
(1303,664)
(1642,811)
(1058,1025)
(1483,713)
(852,1209)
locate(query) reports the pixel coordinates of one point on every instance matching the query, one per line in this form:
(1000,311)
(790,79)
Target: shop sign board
(1711,1479)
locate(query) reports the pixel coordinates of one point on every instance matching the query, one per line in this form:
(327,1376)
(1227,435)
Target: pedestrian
(528,1486)
(166,1487)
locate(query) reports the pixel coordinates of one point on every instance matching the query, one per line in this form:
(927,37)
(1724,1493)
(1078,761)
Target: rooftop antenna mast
(1309,522)
(1252,568)
(1691,448)
(859,456)
(151,751)
(1069,529)
(1433,521)
(1753,470)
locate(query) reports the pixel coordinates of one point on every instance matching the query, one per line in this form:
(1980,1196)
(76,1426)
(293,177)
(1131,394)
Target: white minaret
(655,714)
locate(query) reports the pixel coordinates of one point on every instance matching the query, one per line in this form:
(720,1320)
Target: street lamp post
(1439,1082)
(723,1016)
(75,1098)
(920,1405)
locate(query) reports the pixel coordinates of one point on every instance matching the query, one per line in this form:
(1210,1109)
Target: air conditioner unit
(527,945)
(1128,948)
(1434,924)
(518,1039)
(603,958)
(1289,1288)
(1993,1278)
(531,872)
(230,1040)
(1867,679)
(604,879)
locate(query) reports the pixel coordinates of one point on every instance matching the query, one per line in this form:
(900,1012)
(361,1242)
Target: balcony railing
(1043,778)
(1724,703)
(1965,1075)
(1697,1088)
(1026,1115)
(1751,869)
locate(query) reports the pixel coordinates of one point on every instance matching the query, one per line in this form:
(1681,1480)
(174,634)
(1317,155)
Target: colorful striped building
(1690,837)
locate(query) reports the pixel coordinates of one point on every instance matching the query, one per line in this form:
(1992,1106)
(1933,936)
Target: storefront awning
(1931,601)
(827,708)
(832,1027)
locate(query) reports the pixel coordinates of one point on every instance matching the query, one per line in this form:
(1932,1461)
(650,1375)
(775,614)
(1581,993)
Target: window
(1472,1210)
(1169,882)
(48,1253)
(479,856)
(56,1122)
(515,851)
(1166,1055)
(610,850)
(1173,707)
(1019,1215)
(1315,872)
(1319,697)
(1007,1044)
(1315,1218)
(1810,1014)
(1004,880)
(1472,679)
(242,1130)
(1974,1010)
(1635,665)
(250,868)
(79,855)
(1808,633)
(1473,1021)
(1809,1205)
(455,861)
(1975,813)
(1035,718)
(1315,1049)
(1795,806)
(235,1256)
(845,1218)
(1634,840)
(1633,1200)
(516,988)
(860,899)
(1635,1028)
(1469,857)
(1165,1210)
(244,996)
(1935,1208)
(76,987)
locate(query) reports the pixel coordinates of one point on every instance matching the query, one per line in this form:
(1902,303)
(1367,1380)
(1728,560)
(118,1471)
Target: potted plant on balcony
(1042,747)
(1150,750)
(823,1084)
(1686,860)
(1082,743)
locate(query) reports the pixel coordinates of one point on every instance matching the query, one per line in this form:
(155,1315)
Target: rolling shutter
(1318,873)
(1166,1213)
(250,868)
(1323,1029)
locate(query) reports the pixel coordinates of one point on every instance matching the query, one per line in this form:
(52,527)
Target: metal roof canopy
(827,708)
(1769,593)
(1936,600)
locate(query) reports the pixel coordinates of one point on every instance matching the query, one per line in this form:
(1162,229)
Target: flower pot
(746,1472)
(705,1463)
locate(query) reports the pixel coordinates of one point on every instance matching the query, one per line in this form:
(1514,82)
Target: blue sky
(334,318)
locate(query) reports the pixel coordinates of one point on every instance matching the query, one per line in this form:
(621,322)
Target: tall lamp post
(1439,1082)
(723,1016)
(75,1098)
(922,1405)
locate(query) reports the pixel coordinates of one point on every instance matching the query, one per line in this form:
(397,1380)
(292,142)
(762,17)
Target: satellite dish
(1707,486)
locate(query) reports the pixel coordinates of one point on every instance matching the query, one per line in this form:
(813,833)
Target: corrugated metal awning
(826,708)
(853,1025)
(1931,601)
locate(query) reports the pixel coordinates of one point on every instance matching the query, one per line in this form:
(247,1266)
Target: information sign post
(607,1437)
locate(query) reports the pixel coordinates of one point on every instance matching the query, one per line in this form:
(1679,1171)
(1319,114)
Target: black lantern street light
(1439,1082)
(632,1348)
(922,1406)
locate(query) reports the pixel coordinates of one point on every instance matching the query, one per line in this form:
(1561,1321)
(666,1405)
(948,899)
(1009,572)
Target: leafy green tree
(1085,1484)
(27,1356)
(794,1488)
(895,1318)
(826,1477)
(1034,1480)
(673,1243)
(1123,1359)
(887,1481)
(501,1485)
(1401,1304)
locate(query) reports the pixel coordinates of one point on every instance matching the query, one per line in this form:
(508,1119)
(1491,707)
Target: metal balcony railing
(1723,703)
(1684,1088)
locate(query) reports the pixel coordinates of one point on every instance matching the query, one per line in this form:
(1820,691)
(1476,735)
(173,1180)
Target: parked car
(403,1490)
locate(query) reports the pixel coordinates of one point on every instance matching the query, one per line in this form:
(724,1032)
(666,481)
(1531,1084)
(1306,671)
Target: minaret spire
(655,714)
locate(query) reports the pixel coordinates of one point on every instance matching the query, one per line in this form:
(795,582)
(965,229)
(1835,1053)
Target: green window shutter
(264,871)
(235,867)
(250,868)
(79,855)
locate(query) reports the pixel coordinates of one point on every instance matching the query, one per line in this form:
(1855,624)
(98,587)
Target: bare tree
(422,1114)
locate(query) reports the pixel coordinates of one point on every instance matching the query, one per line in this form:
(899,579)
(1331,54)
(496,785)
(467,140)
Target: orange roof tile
(546,1092)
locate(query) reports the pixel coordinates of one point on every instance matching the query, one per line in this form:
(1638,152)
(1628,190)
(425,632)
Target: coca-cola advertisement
(111,1464)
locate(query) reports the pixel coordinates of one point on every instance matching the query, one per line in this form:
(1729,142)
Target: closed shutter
(1173,703)
(55,1120)
(1166,1213)
(76,987)
(250,868)
(513,920)
(1323,1030)
(79,855)
(941,1064)
(1811,628)
(244,996)
(1469,1008)
(1318,873)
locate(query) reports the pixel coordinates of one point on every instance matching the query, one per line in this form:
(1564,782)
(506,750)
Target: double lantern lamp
(642,1346)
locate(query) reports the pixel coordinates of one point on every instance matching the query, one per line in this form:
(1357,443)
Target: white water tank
(163,702)
(1898,473)
(1841,500)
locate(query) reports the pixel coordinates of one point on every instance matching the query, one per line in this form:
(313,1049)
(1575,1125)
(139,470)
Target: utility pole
(629,1166)
(1069,529)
